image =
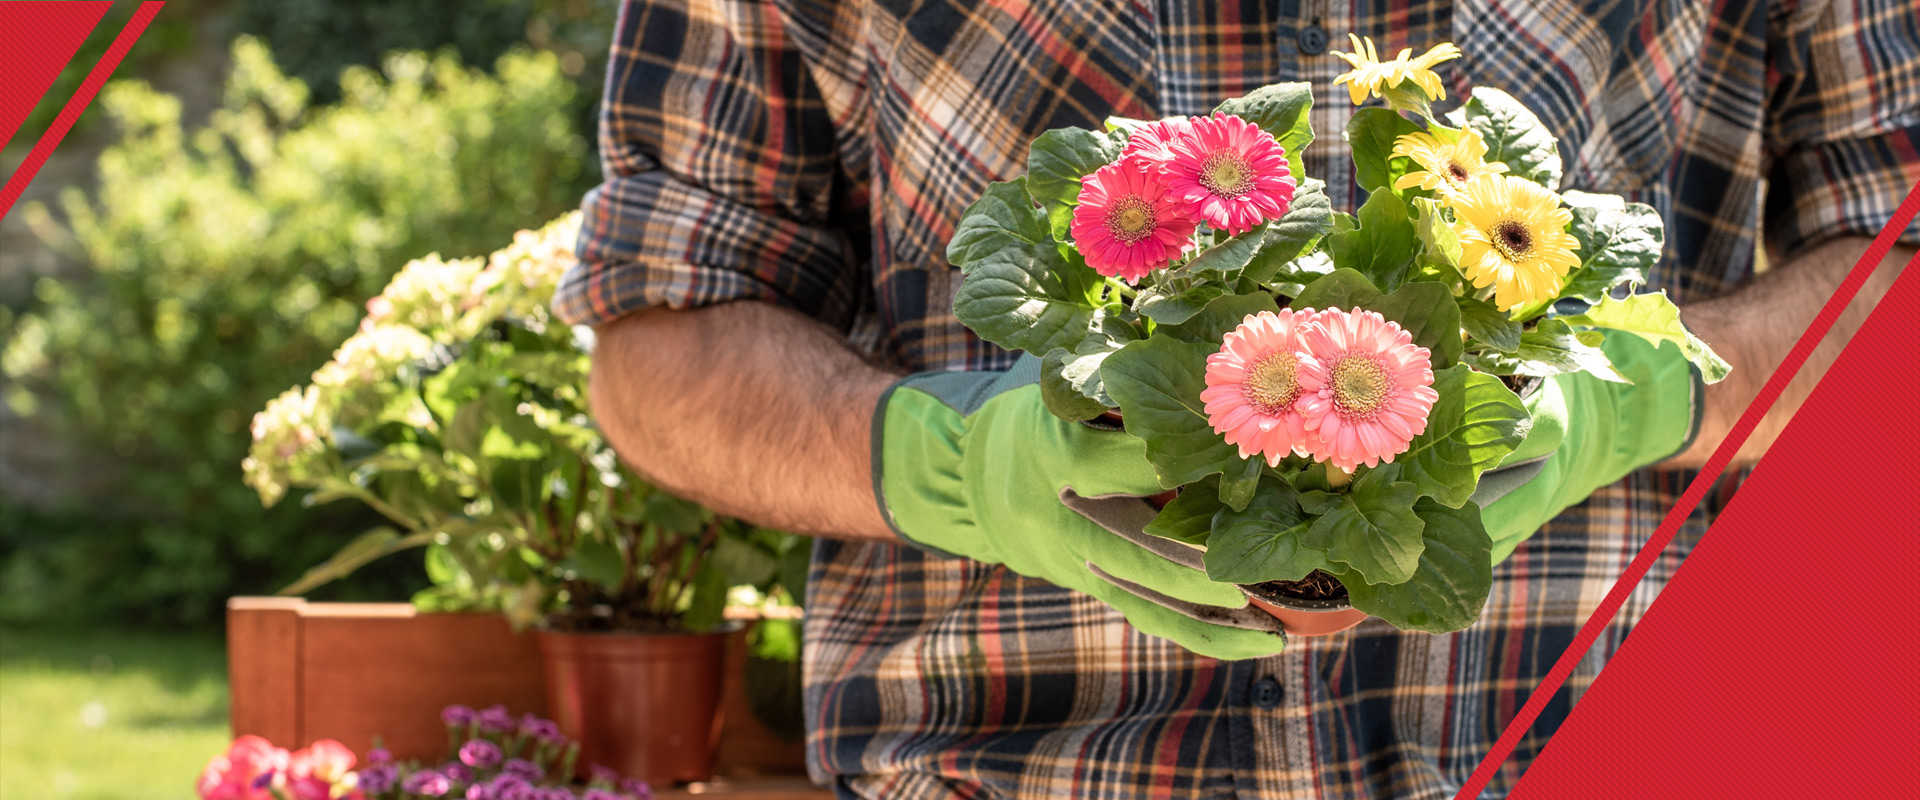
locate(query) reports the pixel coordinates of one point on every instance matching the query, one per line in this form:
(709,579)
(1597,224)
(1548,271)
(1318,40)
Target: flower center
(1226,173)
(1271,385)
(1359,386)
(1130,219)
(1456,172)
(1512,239)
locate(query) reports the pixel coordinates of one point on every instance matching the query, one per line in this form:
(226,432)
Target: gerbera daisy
(1513,237)
(1253,383)
(1372,76)
(1365,388)
(1150,141)
(1128,224)
(1444,166)
(1235,173)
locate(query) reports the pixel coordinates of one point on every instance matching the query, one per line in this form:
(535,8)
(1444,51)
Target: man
(765,261)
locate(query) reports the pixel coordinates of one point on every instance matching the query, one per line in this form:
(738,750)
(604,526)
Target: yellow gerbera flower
(1446,166)
(1513,237)
(1370,75)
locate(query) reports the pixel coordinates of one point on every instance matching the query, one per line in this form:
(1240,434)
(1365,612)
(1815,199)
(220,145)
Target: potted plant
(1326,391)
(458,411)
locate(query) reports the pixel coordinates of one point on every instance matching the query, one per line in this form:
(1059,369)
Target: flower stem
(1121,288)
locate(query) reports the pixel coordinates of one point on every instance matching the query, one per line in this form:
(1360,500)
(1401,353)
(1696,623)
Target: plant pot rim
(726,628)
(1327,604)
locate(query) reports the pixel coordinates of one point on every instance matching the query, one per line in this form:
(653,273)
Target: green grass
(108,714)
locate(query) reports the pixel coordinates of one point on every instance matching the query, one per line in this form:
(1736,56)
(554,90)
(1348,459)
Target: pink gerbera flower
(1127,223)
(1253,385)
(1365,388)
(1153,141)
(1233,172)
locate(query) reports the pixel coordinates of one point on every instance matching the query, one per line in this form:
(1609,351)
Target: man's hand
(973,464)
(1755,327)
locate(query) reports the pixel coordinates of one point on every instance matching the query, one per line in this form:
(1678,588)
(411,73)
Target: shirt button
(1313,40)
(1267,693)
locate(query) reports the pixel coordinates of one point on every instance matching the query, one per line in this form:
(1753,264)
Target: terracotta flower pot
(1305,616)
(645,705)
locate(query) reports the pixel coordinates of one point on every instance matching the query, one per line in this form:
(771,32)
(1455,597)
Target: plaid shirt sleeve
(1844,118)
(722,179)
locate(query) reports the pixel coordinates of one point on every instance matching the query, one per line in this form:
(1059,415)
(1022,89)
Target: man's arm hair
(1755,327)
(750,409)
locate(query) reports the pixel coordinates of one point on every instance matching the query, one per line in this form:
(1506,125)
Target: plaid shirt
(818,154)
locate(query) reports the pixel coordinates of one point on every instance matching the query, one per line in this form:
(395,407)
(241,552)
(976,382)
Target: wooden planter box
(301,671)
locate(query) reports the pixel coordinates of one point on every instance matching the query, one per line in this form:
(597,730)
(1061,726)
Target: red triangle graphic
(38,38)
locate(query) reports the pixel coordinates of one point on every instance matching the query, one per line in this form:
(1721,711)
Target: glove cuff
(915,445)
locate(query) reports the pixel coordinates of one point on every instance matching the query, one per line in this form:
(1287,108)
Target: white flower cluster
(288,436)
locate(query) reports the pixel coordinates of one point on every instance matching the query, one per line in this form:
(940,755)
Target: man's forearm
(1756,326)
(753,410)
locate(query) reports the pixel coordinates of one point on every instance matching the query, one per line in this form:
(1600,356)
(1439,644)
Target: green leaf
(1280,109)
(1223,314)
(1070,382)
(1308,219)
(1450,587)
(743,564)
(1157,304)
(1370,528)
(1342,288)
(1427,311)
(1264,542)
(597,561)
(1015,292)
(1157,383)
(1383,245)
(1619,242)
(1551,348)
(1370,135)
(364,549)
(1514,135)
(1488,325)
(1237,484)
(1476,422)
(673,514)
(1057,161)
(1651,316)
(707,600)
(1439,245)
(1189,517)
(1224,261)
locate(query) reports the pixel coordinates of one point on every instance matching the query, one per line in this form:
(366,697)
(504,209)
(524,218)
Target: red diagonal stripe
(71,112)
(1716,464)
(38,38)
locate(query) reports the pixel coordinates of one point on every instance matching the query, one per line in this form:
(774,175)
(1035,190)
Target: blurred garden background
(203,239)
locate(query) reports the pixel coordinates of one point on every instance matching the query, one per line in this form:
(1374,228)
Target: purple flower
(543,729)
(380,755)
(457,716)
(599,794)
(525,770)
(507,786)
(601,775)
(377,778)
(558,793)
(481,791)
(636,788)
(480,754)
(427,782)
(495,719)
(457,772)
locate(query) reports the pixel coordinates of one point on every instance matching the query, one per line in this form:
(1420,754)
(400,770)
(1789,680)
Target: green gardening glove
(1588,433)
(973,464)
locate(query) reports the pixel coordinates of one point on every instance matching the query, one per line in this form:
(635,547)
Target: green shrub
(228,261)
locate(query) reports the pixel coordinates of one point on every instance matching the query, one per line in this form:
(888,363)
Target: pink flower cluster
(254,769)
(1344,387)
(1138,214)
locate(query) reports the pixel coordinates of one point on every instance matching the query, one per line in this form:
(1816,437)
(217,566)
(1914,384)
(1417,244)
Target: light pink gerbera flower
(1253,384)
(1127,223)
(1234,173)
(1153,141)
(1365,388)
